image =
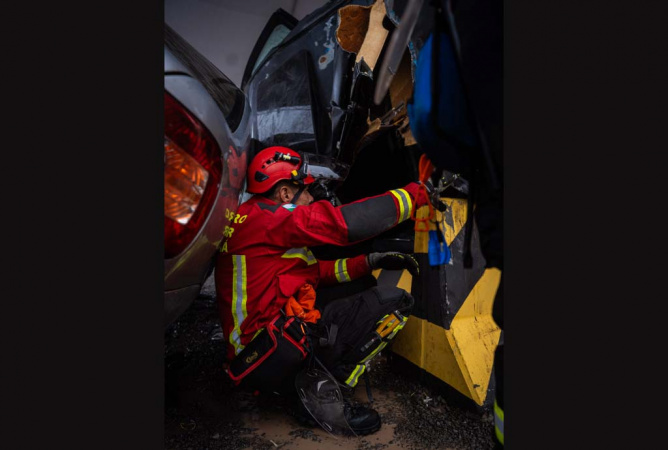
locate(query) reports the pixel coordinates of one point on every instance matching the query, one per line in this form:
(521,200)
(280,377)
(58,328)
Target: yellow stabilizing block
(462,356)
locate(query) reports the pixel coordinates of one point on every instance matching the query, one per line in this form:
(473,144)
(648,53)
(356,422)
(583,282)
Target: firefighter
(266,263)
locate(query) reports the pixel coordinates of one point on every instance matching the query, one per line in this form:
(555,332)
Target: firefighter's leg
(366,323)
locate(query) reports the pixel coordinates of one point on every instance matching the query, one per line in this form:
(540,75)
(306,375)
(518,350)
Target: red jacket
(266,258)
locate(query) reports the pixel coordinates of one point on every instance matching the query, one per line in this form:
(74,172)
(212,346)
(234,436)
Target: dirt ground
(203,410)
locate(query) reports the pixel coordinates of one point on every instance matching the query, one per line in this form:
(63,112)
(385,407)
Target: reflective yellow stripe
(498,422)
(405,203)
(302,253)
(386,322)
(398,327)
(383,318)
(354,377)
(239,297)
(390,323)
(375,352)
(341,270)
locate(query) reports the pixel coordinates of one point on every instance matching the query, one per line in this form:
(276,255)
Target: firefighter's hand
(418,197)
(393,261)
(429,195)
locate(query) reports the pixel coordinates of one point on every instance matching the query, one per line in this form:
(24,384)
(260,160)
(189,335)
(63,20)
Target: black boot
(361,419)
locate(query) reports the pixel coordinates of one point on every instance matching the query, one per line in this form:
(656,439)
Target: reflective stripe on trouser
(498,422)
(375,352)
(355,375)
(405,204)
(341,270)
(394,324)
(390,323)
(388,338)
(239,297)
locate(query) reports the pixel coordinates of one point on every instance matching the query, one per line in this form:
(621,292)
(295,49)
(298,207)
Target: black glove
(393,261)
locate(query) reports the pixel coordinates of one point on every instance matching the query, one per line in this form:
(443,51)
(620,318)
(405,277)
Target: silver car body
(186,272)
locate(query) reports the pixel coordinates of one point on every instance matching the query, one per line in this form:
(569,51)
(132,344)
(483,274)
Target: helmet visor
(324,168)
(322,174)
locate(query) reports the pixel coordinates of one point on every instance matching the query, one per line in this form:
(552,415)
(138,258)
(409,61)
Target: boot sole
(366,431)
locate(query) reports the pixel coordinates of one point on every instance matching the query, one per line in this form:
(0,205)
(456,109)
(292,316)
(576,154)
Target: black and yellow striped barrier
(450,337)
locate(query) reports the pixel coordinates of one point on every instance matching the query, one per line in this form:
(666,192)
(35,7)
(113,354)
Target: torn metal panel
(353,25)
(365,124)
(375,37)
(361,31)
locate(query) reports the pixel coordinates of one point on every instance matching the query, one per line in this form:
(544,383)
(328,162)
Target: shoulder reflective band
(354,377)
(302,253)
(341,270)
(238,300)
(370,217)
(405,204)
(498,422)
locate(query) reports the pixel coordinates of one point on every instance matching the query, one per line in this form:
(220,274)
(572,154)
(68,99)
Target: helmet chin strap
(299,192)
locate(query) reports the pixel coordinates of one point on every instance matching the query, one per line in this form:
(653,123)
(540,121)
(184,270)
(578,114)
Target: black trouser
(355,319)
(350,323)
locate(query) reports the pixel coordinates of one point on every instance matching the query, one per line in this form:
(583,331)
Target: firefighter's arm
(343,270)
(321,223)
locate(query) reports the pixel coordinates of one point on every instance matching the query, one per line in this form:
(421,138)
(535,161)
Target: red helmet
(274,164)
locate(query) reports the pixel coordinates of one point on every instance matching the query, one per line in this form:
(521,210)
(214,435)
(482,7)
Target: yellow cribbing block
(406,281)
(464,355)
(455,215)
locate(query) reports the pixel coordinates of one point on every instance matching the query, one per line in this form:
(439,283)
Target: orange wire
(426,168)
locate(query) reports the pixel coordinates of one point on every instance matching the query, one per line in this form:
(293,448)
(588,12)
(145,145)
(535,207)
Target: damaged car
(320,86)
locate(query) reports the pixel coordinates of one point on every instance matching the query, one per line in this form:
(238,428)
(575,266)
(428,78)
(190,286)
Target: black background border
(585,119)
